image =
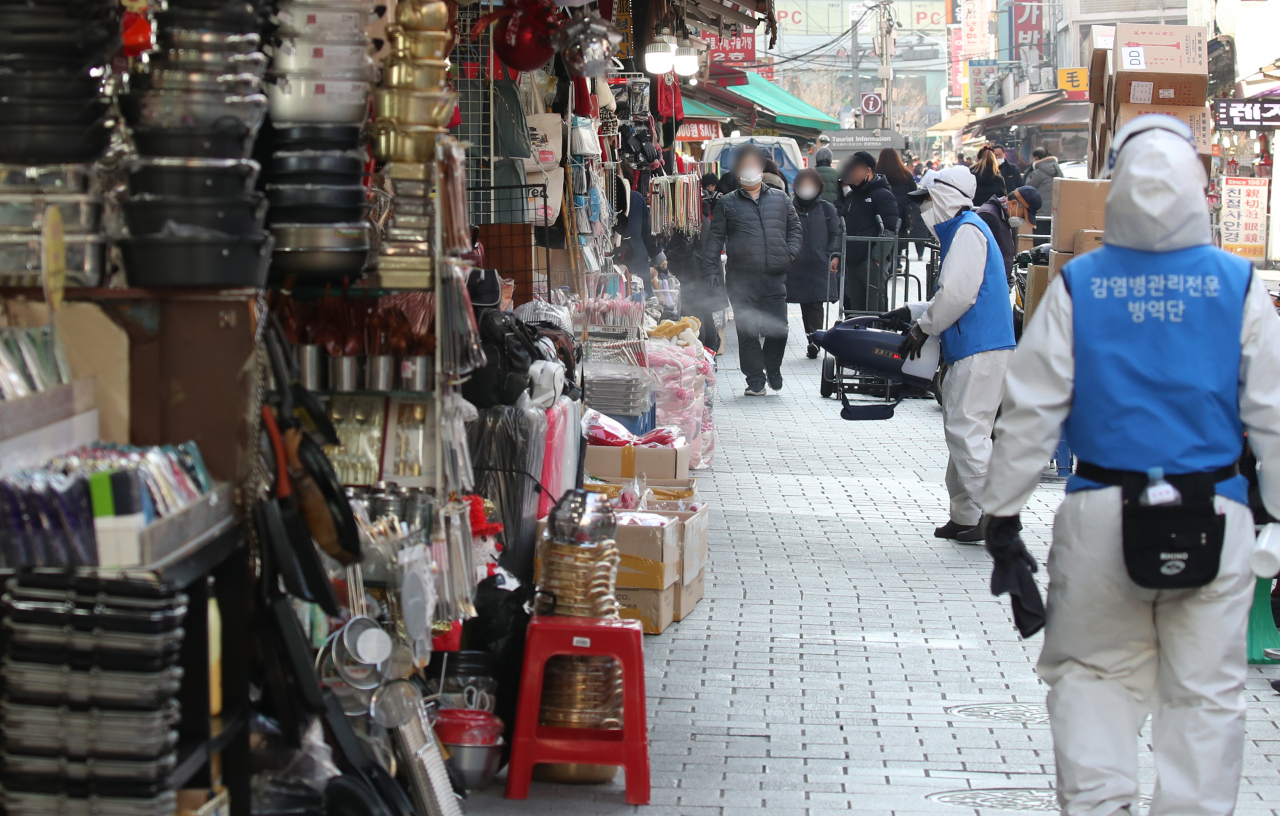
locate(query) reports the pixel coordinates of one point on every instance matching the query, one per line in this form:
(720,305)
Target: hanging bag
(509,125)
(546,137)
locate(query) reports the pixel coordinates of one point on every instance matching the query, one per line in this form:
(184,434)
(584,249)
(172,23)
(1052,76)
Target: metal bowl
(296,54)
(405,143)
(413,107)
(337,99)
(419,45)
(476,764)
(421,75)
(209,40)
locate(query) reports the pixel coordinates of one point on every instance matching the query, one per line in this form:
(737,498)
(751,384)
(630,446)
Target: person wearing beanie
(869,197)
(756,226)
(822,159)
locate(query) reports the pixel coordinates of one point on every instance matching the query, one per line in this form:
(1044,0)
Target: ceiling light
(686,59)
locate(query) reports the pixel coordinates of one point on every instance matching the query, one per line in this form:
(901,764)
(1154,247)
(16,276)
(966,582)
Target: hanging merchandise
(587,45)
(522,33)
(459,335)
(675,205)
(457,234)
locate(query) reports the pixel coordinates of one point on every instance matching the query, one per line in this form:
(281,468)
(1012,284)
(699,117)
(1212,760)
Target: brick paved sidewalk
(843,659)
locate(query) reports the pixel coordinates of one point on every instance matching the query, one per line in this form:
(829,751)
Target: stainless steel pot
(173,79)
(419,45)
(185,109)
(328,251)
(297,54)
(22,259)
(411,107)
(422,75)
(344,373)
(405,143)
(25,212)
(379,372)
(209,40)
(216,62)
(322,236)
(331,99)
(310,370)
(331,21)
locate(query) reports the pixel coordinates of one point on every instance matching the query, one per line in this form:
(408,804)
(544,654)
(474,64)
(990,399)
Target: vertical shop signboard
(1028,31)
(975,20)
(1244,216)
(982,73)
(955,55)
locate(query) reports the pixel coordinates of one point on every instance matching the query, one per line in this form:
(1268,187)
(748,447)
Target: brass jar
(410,107)
(419,75)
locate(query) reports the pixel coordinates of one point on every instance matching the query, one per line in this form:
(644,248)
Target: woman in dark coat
(899,177)
(811,280)
(987,173)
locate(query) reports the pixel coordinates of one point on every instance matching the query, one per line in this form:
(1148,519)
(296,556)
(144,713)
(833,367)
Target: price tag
(1166,93)
(1133,58)
(582,643)
(54,260)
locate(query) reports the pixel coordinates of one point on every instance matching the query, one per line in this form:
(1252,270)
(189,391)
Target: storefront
(341,378)
(1042,119)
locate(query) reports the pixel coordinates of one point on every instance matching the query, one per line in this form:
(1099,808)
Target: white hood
(950,191)
(1156,202)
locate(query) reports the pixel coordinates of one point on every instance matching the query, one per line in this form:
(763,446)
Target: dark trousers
(759,316)
(811,315)
(708,335)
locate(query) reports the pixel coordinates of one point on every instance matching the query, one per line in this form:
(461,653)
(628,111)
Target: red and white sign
(872,104)
(1244,216)
(693,130)
(955,58)
(731,50)
(975,20)
(1028,31)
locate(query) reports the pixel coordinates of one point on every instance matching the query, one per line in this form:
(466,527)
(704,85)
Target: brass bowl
(410,107)
(422,15)
(405,143)
(419,45)
(421,75)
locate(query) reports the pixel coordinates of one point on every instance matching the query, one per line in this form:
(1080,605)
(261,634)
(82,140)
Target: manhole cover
(1030,713)
(1041,800)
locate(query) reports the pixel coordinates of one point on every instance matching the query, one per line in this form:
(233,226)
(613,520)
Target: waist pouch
(1169,546)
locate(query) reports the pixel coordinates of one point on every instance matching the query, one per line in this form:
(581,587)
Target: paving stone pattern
(843,660)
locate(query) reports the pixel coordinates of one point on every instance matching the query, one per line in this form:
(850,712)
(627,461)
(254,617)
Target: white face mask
(750,176)
(930,215)
(808,192)
(1016,221)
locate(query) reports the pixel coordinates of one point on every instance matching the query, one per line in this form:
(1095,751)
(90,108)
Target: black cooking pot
(193,178)
(230,18)
(18,110)
(232,141)
(147,214)
(335,167)
(315,137)
(64,84)
(222,262)
(52,144)
(88,42)
(315,203)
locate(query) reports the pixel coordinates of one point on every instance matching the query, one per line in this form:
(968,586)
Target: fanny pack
(1175,546)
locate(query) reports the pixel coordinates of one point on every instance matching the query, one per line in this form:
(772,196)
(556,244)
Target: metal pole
(886,59)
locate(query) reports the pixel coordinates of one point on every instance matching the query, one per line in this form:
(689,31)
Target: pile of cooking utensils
(192,216)
(89,714)
(26,193)
(413,105)
(318,87)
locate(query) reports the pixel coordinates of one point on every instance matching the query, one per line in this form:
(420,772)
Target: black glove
(1012,573)
(902,314)
(911,346)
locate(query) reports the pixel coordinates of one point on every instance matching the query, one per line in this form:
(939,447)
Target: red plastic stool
(627,746)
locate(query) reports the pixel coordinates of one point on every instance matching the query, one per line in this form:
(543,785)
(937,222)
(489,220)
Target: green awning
(693,109)
(786,109)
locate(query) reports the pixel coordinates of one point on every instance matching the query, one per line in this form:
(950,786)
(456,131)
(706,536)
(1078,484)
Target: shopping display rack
(887,287)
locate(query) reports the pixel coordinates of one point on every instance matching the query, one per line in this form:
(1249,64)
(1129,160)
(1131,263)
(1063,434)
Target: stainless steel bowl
(322,236)
(209,40)
(49,178)
(331,99)
(476,764)
(22,259)
(298,54)
(174,79)
(24,212)
(326,251)
(218,62)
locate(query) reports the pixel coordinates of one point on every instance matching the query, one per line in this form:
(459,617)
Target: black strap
(1192,486)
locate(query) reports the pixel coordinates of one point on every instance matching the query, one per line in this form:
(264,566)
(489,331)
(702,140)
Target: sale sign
(1244,216)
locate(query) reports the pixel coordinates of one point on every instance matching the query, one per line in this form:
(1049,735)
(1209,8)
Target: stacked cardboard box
(1153,69)
(1079,216)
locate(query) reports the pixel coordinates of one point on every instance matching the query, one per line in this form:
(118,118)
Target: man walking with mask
(972,314)
(758,229)
(1157,353)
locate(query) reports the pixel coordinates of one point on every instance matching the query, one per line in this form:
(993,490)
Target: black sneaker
(775,381)
(976,534)
(811,352)
(950,530)
(754,392)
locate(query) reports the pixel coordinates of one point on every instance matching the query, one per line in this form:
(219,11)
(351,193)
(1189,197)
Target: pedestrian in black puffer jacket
(990,182)
(759,230)
(869,197)
(812,280)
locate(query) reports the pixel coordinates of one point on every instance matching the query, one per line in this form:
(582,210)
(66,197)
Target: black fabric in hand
(902,314)
(1012,573)
(911,346)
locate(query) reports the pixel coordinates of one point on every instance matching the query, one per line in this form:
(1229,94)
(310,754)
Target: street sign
(1246,114)
(730,50)
(982,75)
(1243,218)
(1075,81)
(872,104)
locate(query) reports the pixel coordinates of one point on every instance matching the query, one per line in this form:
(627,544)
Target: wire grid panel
(473,60)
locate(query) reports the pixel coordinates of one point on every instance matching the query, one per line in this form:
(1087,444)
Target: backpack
(510,347)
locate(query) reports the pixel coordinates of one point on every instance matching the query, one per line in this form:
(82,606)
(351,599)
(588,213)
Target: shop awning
(1018,109)
(1060,113)
(952,123)
(693,109)
(785,108)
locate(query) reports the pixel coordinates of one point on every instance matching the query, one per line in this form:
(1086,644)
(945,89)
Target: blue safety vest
(988,325)
(1157,361)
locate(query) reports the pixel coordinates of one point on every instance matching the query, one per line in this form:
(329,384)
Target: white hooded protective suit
(1113,651)
(972,388)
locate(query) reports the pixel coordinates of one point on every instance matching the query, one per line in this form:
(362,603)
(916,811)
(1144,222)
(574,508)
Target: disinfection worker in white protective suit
(1157,351)
(972,313)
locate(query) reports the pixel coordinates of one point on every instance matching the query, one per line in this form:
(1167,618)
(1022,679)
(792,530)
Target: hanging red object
(135,33)
(522,33)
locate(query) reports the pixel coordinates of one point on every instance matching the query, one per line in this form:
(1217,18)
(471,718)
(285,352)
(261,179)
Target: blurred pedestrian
(895,172)
(1044,169)
(811,280)
(868,209)
(989,181)
(1012,178)
(830,178)
(756,226)
(773,176)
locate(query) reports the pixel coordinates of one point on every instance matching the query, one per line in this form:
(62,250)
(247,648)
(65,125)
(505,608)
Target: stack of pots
(318,88)
(53,124)
(194,112)
(413,106)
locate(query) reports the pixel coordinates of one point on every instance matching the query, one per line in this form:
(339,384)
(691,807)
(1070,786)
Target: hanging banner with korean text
(730,50)
(1246,114)
(1028,31)
(1244,216)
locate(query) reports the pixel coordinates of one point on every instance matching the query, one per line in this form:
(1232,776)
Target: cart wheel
(827,385)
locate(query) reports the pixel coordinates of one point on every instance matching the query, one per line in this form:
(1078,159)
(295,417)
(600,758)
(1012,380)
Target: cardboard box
(1037,283)
(654,608)
(1086,241)
(1057,260)
(688,593)
(650,555)
(1078,204)
(1161,65)
(695,531)
(1099,70)
(1028,242)
(1199,119)
(653,463)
